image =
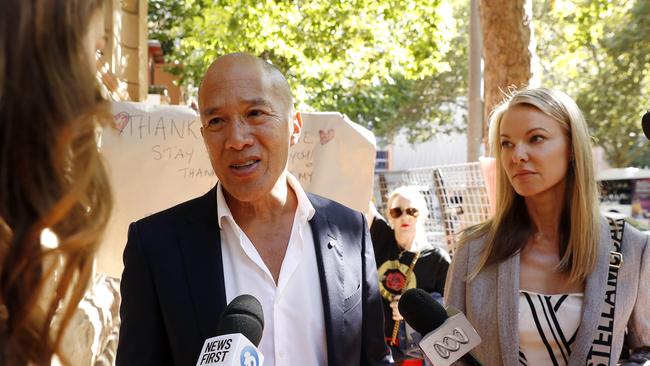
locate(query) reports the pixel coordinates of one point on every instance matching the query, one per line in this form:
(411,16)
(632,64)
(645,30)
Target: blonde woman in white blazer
(533,279)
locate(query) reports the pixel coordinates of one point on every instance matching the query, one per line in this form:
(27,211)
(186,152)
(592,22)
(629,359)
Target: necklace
(393,339)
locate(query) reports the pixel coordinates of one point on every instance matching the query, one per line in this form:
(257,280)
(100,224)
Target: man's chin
(241,192)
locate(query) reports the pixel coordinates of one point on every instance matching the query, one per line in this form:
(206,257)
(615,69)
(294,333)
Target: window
(382,160)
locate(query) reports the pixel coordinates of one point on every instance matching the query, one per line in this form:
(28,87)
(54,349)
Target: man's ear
(296,124)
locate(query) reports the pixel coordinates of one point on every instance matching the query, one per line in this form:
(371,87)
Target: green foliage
(165,21)
(597,51)
(386,64)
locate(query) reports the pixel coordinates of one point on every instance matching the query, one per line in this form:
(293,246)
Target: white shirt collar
(304,212)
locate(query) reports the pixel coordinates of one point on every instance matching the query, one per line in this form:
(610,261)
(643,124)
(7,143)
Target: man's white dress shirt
(294,323)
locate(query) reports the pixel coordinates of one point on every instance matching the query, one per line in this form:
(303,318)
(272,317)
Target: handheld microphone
(645,123)
(238,334)
(445,339)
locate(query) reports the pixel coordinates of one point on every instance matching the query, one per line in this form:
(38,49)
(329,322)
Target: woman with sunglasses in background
(406,260)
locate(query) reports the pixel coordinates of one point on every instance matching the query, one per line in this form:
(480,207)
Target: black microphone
(444,339)
(645,123)
(243,315)
(238,334)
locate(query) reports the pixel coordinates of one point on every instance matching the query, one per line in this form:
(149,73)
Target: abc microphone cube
(452,340)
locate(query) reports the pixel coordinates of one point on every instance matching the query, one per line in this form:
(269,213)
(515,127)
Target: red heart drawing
(326,136)
(121,120)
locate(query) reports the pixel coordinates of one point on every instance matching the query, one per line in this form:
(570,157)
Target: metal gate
(455,194)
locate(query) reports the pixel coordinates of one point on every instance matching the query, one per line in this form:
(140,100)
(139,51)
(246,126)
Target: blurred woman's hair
(51,174)
(417,201)
(510,228)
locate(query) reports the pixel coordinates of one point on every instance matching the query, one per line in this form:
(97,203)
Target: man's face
(248,127)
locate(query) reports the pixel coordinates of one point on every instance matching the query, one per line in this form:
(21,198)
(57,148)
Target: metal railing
(455,194)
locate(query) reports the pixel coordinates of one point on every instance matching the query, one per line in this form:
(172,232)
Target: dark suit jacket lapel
(329,255)
(200,245)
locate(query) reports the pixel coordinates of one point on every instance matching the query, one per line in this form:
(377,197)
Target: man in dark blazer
(256,232)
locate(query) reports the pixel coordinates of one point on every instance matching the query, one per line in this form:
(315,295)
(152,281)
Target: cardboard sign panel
(156,159)
(335,158)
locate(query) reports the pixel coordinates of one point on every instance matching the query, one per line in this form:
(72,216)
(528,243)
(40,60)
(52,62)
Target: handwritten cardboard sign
(335,158)
(156,159)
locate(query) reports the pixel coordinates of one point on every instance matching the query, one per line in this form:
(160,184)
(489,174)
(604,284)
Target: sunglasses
(396,212)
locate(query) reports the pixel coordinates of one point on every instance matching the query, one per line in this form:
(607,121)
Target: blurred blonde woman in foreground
(542,281)
(51,175)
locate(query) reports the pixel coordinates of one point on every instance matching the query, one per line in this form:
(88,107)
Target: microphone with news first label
(445,339)
(238,334)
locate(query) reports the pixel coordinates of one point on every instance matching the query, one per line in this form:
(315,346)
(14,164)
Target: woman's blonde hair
(51,174)
(509,229)
(417,201)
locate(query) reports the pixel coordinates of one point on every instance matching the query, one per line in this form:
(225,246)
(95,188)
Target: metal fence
(455,194)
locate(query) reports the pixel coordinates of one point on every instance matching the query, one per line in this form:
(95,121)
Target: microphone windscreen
(645,122)
(243,315)
(421,311)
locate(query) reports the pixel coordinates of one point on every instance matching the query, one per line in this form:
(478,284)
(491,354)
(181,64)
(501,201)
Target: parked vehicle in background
(627,191)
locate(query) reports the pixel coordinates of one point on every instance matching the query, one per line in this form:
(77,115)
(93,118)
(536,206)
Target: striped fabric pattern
(548,325)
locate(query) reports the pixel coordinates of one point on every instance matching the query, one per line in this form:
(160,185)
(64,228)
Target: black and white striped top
(547,327)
